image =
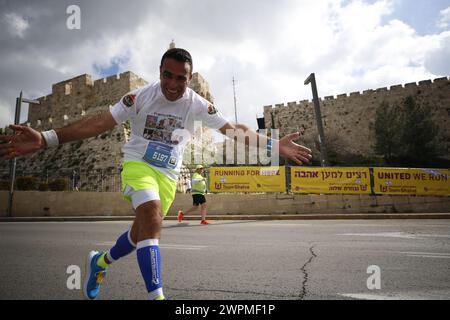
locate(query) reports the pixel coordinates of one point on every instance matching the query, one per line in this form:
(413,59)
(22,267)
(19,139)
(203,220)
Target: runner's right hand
(25,140)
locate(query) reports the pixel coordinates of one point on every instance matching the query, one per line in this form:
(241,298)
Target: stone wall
(347,118)
(72,100)
(201,86)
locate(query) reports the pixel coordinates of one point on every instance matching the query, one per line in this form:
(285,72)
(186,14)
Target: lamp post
(323,150)
(12,162)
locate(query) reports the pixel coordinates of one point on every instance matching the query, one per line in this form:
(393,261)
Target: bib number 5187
(159,157)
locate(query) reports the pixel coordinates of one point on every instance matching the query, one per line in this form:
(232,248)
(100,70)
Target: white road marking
(435,235)
(401,235)
(411,295)
(427,255)
(182,247)
(365,296)
(104,243)
(279,224)
(362,225)
(162,246)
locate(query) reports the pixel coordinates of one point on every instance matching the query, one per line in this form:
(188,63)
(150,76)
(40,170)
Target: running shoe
(94,276)
(204,222)
(180,216)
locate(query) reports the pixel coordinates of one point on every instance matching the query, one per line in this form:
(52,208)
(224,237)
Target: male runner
(198,195)
(152,159)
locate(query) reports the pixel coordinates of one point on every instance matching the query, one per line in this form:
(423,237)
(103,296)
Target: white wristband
(51,138)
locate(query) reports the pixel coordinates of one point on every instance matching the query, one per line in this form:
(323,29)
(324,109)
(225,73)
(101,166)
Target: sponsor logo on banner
(402,181)
(248,179)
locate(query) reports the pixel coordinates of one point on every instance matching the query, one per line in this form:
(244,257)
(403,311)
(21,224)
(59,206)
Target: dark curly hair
(177,54)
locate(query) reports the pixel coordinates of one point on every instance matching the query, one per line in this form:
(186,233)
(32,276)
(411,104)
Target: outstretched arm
(286,145)
(27,140)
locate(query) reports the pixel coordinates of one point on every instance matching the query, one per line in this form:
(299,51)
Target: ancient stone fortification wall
(70,101)
(201,86)
(73,98)
(347,118)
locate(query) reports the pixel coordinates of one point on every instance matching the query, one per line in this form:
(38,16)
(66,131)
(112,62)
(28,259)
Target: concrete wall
(36,204)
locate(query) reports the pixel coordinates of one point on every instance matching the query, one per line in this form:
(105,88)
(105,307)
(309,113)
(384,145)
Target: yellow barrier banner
(329,180)
(247,179)
(424,182)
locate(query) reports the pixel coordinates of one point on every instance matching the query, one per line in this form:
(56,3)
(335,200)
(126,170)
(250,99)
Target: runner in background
(198,195)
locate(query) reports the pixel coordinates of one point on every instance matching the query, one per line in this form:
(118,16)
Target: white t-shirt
(161,129)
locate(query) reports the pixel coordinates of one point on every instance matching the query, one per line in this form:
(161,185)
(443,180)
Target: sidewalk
(353,216)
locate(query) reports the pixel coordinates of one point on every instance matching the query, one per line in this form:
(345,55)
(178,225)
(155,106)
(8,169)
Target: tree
(418,133)
(387,131)
(405,134)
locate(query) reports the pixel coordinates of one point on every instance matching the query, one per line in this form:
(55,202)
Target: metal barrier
(96,180)
(92,180)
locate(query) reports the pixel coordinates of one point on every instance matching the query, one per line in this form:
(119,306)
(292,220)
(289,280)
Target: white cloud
(444,19)
(16,24)
(436,59)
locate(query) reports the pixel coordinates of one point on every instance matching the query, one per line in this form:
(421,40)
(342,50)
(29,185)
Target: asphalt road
(231,260)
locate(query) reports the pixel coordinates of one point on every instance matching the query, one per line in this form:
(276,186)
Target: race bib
(160,155)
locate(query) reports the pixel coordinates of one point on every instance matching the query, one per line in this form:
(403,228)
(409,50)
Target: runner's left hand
(291,150)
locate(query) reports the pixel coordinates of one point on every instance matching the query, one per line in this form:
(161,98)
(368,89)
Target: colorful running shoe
(180,216)
(94,276)
(204,222)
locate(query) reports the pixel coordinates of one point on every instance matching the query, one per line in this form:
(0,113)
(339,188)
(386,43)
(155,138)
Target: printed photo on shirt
(151,121)
(161,127)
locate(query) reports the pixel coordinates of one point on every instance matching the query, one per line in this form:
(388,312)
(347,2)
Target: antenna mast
(234,94)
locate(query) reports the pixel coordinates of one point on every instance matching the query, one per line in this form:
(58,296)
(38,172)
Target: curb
(354,216)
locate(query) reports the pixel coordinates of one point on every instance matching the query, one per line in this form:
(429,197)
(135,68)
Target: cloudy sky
(269,46)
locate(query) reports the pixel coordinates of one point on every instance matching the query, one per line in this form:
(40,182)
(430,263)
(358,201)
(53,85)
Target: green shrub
(4,185)
(27,183)
(58,185)
(44,187)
